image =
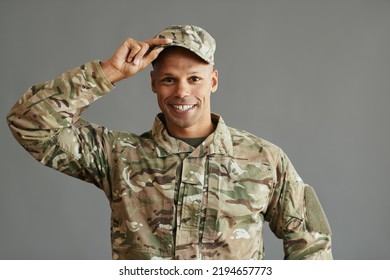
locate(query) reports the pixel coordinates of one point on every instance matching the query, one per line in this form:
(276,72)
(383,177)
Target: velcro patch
(316,219)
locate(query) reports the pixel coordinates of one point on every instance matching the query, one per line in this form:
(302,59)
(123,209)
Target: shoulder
(113,137)
(252,146)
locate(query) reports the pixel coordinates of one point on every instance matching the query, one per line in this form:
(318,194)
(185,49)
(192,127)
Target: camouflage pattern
(169,200)
(192,38)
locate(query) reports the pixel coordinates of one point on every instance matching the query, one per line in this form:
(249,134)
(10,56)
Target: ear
(214,80)
(153,80)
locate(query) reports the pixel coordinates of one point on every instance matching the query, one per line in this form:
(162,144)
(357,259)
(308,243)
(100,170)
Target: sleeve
(46,122)
(295,215)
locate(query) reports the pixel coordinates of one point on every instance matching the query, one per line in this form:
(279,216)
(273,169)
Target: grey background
(310,76)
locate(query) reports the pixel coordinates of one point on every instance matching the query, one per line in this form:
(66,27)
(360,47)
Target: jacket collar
(219,142)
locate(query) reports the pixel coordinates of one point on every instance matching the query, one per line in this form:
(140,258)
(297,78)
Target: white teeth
(183,107)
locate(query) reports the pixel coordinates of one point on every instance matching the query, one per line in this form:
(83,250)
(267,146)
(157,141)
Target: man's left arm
(296,216)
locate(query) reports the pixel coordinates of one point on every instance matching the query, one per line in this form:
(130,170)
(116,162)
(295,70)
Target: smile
(183,108)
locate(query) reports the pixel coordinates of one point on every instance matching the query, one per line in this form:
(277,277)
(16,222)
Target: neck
(191,132)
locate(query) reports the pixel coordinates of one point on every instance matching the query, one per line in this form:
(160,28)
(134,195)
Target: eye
(195,79)
(168,80)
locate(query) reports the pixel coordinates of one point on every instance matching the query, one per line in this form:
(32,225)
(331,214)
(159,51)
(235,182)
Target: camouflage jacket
(170,200)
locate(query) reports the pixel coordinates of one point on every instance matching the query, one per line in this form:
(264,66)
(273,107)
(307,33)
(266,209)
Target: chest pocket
(238,195)
(144,214)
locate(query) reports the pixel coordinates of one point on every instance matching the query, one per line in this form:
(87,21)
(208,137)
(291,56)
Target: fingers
(133,56)
(139,50)
(155,47)
(154,42)
(133,48)
(137,53)
(152,55)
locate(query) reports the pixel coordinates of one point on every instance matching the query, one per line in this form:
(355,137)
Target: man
(192,187)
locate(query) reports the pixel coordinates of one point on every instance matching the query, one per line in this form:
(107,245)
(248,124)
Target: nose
(182,89)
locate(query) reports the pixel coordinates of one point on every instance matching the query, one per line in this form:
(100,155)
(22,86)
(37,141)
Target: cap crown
(192,38)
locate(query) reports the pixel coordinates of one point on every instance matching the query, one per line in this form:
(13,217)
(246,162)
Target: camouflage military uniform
(170,200)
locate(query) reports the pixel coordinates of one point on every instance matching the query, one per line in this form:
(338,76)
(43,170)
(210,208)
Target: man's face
(183,83)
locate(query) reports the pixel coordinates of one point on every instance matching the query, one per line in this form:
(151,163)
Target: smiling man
(183,83)
(192,187)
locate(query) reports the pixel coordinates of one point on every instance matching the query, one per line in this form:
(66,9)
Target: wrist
(111,73)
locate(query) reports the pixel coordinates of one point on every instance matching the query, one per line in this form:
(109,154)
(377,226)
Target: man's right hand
(132,56)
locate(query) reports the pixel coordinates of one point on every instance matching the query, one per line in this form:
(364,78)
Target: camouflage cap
(192,38)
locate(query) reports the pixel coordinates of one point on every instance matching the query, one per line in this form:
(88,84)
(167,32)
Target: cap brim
(179,44)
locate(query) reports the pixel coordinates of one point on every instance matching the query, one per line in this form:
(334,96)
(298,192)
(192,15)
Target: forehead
(173,55)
